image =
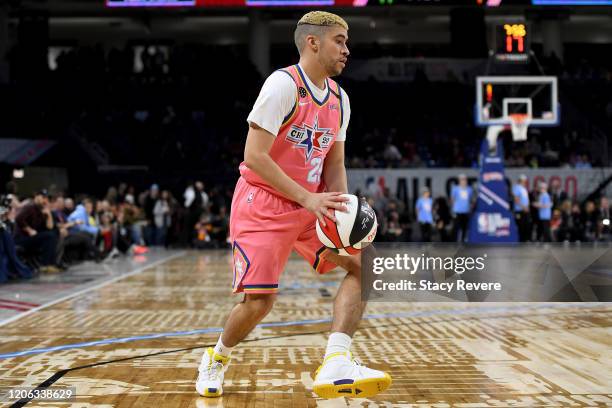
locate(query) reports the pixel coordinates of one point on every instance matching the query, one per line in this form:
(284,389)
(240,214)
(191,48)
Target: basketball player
(293,173)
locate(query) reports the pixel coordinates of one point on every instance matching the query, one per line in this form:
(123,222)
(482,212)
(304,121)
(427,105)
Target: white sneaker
(211,371)
(341,376)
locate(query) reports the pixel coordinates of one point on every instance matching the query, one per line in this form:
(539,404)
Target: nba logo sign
(250,198)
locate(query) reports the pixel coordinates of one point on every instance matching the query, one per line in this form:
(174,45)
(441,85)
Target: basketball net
(519,123)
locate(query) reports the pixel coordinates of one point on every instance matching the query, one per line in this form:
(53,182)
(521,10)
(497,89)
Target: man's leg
(241,321)
(245,316)
(339,375)
(348,306)
(46,241)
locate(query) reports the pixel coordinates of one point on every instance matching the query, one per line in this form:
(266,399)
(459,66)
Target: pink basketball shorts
(264,228)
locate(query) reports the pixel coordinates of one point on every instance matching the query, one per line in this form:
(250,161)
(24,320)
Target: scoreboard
(512,42)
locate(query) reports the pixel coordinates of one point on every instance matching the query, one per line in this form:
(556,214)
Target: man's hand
(31,231)
(320,203)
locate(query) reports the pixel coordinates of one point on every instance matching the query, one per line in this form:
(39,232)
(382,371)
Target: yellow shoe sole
(208,394)
(359,389)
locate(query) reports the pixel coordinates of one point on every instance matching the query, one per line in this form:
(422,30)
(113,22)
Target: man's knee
(351,264)
(261,304)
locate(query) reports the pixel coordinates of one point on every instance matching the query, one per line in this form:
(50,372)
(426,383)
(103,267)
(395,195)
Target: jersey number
(314,175)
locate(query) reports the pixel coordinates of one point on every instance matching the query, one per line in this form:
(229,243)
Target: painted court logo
(310,138)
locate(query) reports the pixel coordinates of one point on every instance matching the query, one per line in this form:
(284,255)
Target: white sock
(222,349)
(338,343)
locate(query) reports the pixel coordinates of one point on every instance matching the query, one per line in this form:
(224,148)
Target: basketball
(354,230)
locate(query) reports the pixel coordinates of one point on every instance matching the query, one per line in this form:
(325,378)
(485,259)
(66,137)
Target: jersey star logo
(310,138)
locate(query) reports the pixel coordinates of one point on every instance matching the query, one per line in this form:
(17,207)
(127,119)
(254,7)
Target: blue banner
(493,220)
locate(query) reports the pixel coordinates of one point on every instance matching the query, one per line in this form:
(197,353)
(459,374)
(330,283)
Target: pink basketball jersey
(306,135)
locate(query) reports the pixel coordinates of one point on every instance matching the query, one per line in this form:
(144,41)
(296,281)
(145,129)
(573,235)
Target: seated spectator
(34,232)
(73,245)
(202,230)
(443,218)
(572,227)
(106,232)
(150,230)
(590,221)
(83,219)
(220,227)
(555,224)
(75,242)
(68,206)
(583,162)
(123,233)
(10,265)
(162,218)
(130,222)
(577,230)
(393,231)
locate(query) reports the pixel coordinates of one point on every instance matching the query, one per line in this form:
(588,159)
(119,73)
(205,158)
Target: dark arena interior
(172,228)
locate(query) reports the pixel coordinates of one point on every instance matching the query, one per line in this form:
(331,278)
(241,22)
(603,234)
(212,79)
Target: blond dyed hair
(315,23)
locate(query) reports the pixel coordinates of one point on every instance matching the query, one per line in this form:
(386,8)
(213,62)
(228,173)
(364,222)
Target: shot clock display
(512,42)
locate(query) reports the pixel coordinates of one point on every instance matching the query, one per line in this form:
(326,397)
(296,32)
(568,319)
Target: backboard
(498,98)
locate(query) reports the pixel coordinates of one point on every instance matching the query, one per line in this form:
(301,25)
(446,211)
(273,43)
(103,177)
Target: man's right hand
(320,203)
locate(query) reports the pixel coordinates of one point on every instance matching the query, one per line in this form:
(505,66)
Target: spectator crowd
(50,231)
(543,214)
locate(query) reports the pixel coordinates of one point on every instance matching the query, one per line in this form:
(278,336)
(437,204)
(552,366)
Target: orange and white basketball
(355,229)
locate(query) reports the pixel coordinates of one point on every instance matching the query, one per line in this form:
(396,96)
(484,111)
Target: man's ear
(313,41)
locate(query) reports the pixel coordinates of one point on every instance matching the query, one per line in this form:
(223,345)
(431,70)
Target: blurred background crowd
(51,230)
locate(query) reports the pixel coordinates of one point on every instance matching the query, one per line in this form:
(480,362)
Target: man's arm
(24,214)
(334,172)
(537,204)
(257,158)
(49,218)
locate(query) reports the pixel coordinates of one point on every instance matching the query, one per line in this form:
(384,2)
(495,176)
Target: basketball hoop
(519,123)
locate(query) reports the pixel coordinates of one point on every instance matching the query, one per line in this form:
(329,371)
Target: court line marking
(422,313)
(60,374)
(88,289)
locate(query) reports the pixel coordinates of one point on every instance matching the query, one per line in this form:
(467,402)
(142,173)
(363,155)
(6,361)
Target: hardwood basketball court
(137,342)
